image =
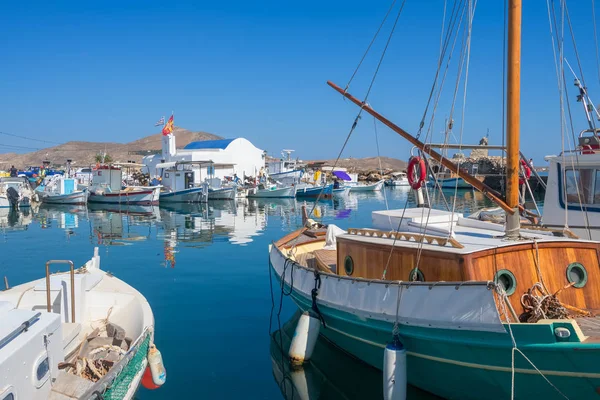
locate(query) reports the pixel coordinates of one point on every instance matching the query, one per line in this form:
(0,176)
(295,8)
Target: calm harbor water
(204,270)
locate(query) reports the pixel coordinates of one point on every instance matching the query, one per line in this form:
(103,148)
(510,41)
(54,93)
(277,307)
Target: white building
(229,156)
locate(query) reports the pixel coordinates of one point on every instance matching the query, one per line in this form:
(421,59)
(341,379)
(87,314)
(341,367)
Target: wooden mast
(513,109)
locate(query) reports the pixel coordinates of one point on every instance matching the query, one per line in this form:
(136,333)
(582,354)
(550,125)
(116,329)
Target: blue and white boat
(324,191)
(60,190)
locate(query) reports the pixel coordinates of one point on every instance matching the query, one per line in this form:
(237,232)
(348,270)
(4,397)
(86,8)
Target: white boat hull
(192,195)
(287,192)
(144,197)
(79,197)
(222,194)
(367,188)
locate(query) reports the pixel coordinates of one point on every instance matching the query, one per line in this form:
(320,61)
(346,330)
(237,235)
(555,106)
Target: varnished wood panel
(370,261)
(554,258)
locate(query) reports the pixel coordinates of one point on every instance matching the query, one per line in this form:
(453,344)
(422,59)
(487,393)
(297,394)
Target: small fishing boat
(325,191)
(181,183)
(261,191)
(60,190)
(16,192)
(76,335)
(285,170)
(374,187)
(107,188)
(398,179)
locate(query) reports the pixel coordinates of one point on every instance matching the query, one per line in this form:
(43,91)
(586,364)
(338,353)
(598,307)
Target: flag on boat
(160,122)
(168,127)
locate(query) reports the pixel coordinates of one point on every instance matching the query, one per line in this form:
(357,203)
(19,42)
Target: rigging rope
(370,44)
(596,39)
(358,116)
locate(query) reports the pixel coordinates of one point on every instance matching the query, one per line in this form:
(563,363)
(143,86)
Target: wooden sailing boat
(498,307)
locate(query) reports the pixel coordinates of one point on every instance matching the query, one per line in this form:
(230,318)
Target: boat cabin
(107,176)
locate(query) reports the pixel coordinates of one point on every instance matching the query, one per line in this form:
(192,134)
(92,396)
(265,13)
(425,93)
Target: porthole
(416,276)
(349,265)
(506,280)
(577,274)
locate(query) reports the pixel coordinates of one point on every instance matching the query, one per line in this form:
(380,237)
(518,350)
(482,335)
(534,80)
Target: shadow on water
(331,373)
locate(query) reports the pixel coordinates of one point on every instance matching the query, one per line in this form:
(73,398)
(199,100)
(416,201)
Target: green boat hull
(463,364)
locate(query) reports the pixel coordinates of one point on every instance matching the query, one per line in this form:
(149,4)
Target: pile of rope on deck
(539,304)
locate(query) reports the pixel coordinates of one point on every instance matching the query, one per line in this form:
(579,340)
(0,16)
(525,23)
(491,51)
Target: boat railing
(72,273)
(407,236)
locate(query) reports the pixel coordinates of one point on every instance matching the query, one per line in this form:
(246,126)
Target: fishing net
(121,384)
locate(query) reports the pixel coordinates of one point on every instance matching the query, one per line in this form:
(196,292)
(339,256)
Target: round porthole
(507,280)
(416,275)
(349,265)
(577,275)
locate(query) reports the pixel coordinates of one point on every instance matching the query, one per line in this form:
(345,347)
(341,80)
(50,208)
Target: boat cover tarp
(444,305)
(342,175)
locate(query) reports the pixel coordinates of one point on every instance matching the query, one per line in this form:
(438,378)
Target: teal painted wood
(482,360)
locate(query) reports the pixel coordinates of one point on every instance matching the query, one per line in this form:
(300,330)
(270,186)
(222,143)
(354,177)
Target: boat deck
(590,327)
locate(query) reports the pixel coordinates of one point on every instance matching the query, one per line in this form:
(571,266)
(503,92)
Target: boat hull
(145,197)
(451,183)
(287,192)
(75,198)
(192,195)
(401,182)
(367,188)
(341,191)
(222,194)
(437,356)
(316,191)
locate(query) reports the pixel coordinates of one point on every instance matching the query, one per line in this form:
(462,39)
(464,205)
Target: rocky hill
(363,165)
(84,153)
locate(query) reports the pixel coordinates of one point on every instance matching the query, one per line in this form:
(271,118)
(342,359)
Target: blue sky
(106,71)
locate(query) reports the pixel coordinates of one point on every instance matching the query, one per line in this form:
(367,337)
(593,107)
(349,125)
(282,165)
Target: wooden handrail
(406,236)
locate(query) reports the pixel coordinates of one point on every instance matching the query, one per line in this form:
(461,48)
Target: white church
(219,158)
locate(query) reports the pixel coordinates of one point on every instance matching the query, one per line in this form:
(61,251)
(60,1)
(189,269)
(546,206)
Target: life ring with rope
(416,178)
(527,170)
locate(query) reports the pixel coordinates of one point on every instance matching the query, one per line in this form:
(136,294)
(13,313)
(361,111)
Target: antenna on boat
(513,108)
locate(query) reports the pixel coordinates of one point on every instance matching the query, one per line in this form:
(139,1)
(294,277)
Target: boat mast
(513,109)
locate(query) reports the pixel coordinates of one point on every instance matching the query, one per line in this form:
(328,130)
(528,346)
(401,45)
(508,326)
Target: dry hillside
(366,164)
(83,153)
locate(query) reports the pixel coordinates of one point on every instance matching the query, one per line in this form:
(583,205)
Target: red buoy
(147,381)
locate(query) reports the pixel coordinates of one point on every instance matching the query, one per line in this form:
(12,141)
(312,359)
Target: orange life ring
(416,179)
(527,169)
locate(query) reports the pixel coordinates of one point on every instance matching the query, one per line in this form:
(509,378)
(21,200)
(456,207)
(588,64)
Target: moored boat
(60,190)
(374,187)
(222,193)
(78,335)
(271,192)
(107,188)
(324,191)
(16,192)
(513,315)
(397,179)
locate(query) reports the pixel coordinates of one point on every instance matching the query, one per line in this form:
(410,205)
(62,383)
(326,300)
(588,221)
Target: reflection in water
(330,374)
(15,220)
